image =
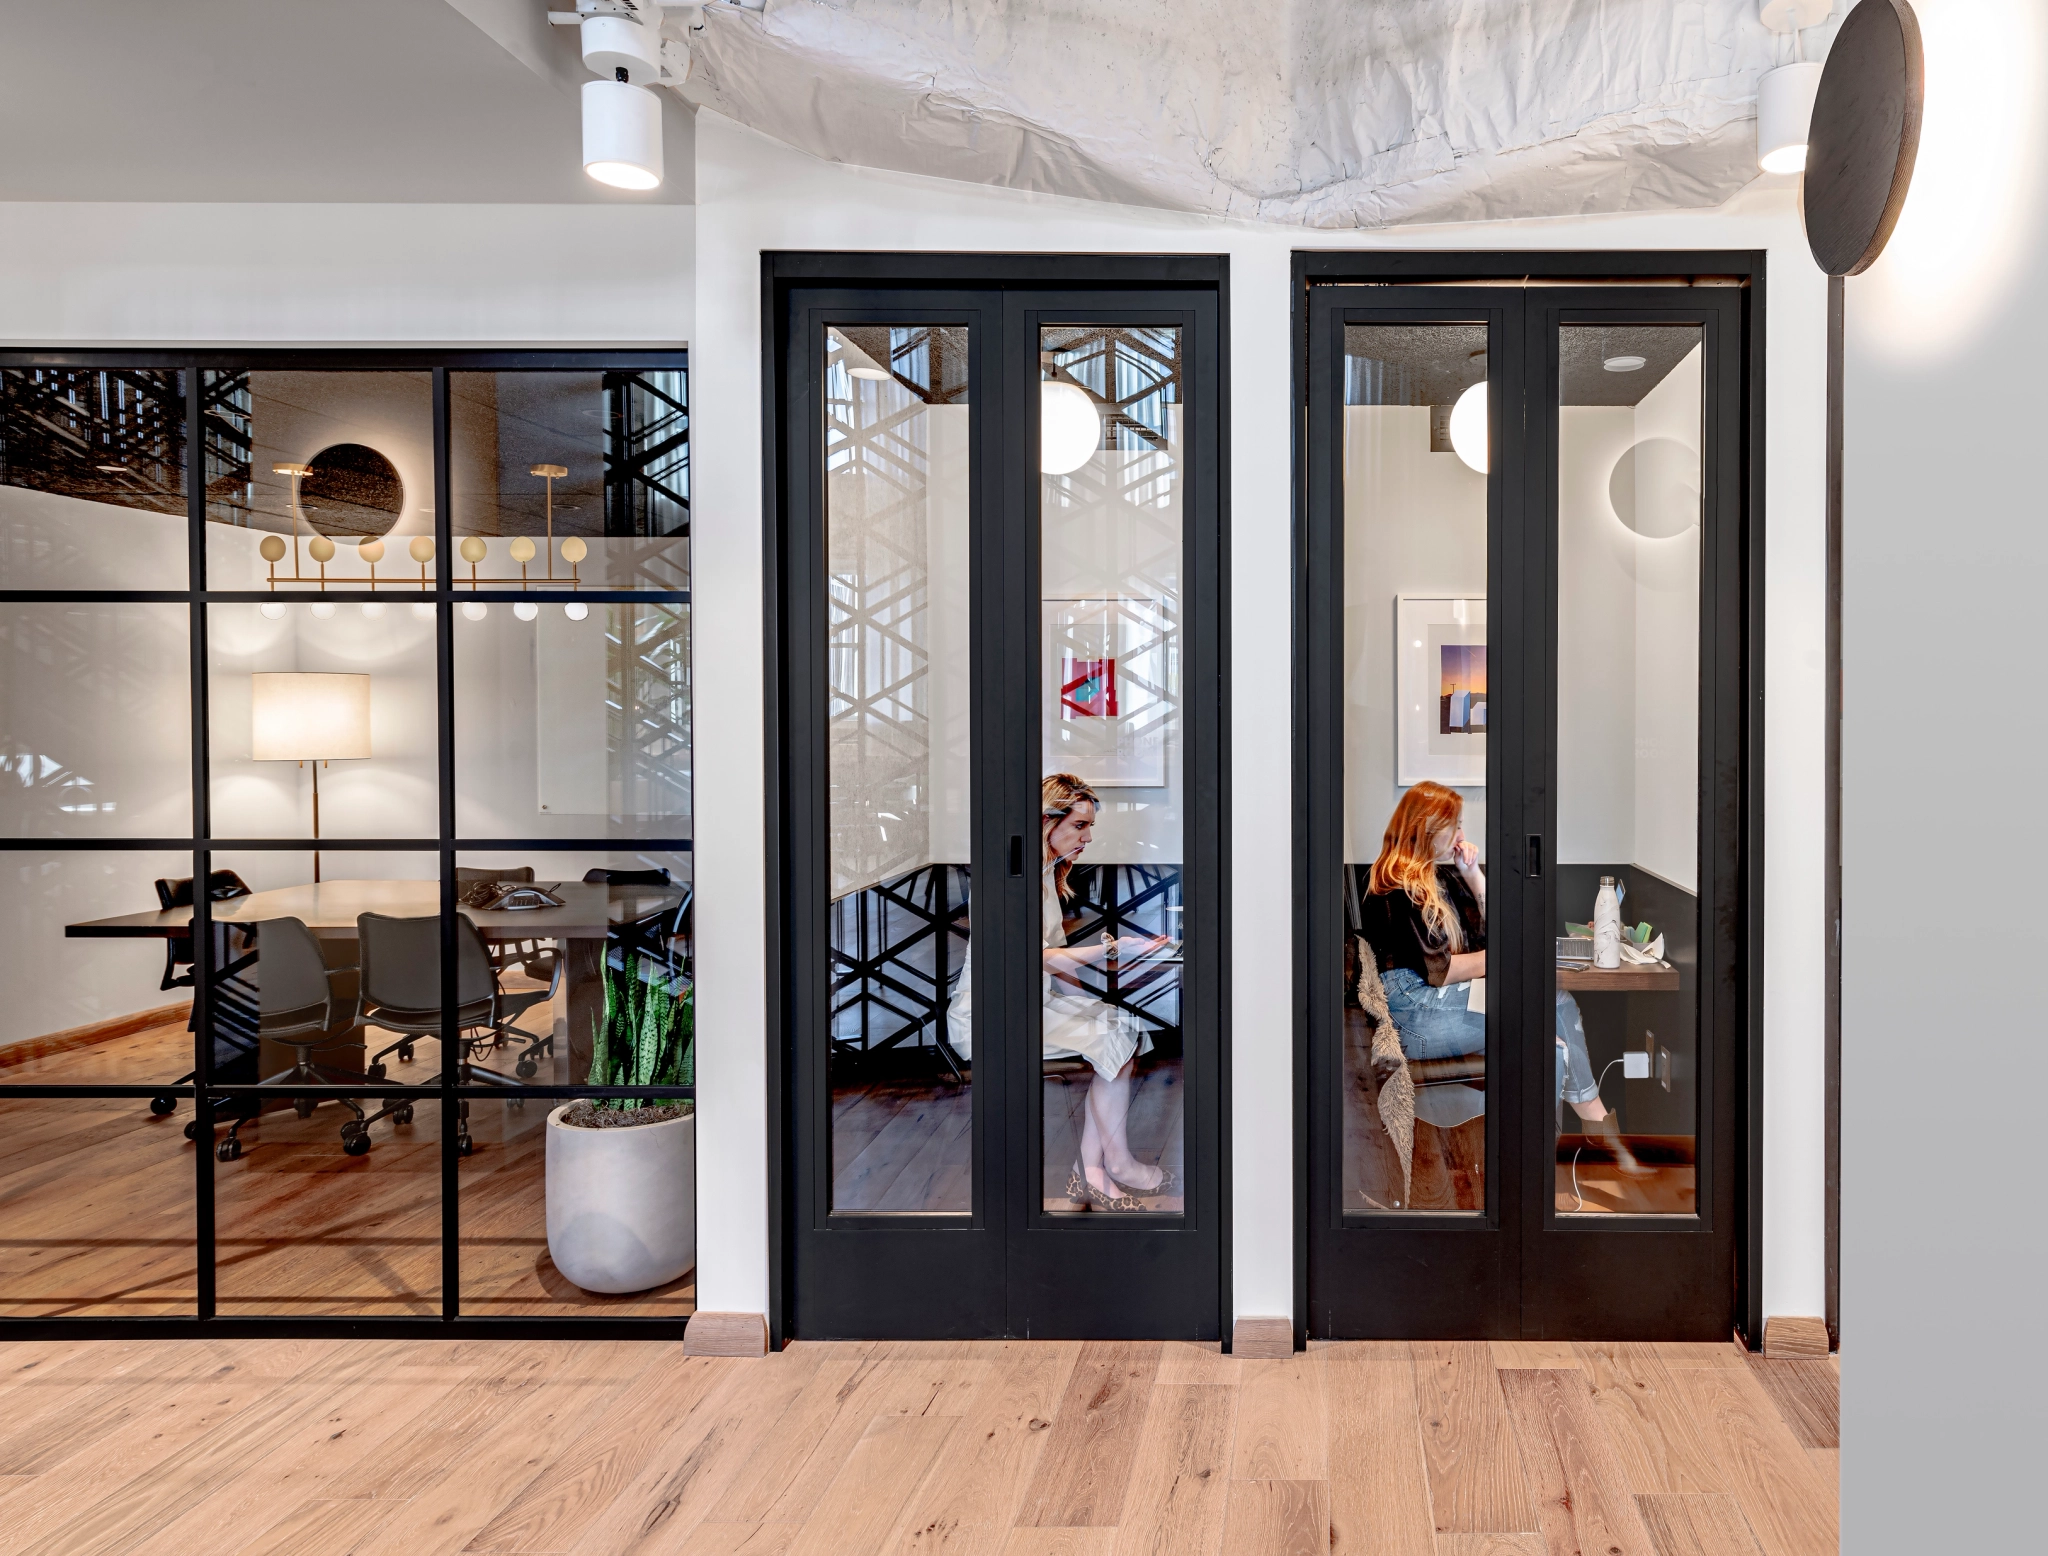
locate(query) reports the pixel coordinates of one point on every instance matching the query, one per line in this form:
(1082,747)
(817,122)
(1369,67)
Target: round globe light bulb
(475,610)
(522,549)
(422,549)
(371,550)
(324,609)
(471,550)
(1069,427)
(576,611)
(274,609)
(574,550)
(526,610)
(321,549)
(271,548)
(1468,427)
(373,608)
(423,611)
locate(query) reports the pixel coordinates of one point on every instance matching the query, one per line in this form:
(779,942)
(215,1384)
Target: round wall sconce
(1865,136)
(351,489)
(1468,427)
(1069,427)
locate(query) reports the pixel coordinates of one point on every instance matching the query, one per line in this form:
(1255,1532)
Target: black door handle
(1016,856)
(1535,856)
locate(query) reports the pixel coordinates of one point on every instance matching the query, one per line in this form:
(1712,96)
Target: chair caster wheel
(464,1145)
(402,1114)
(302,1106)
(161,1106)
(357,1145)
(377,1071)
(405,1053)
(229,1150)
(192,1130)
(526,1069)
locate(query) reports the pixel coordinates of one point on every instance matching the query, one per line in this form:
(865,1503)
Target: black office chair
(653,936)
(307,1005)
(234,1002)
(538,959)
(401,992)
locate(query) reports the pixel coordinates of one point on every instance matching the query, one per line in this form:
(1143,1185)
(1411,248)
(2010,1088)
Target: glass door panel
(1630,477)
(1113,405)
(1415,442)
(901,1022)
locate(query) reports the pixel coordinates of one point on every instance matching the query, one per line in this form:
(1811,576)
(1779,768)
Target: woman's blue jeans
(1434,1024)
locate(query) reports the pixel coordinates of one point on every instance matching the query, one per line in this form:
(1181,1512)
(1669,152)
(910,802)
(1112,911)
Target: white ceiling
(1326,113)
(288,100)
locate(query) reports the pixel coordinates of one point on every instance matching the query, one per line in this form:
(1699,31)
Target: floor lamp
(302,717)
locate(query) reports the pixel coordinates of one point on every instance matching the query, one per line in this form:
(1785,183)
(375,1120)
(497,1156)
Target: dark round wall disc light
(1865,135)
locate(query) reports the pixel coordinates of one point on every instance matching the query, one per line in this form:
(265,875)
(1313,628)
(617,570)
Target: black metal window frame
(205,1094)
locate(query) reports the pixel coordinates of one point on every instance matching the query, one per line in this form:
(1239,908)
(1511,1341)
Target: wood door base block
(1792,1337)
(726,1334)
(1262,1339)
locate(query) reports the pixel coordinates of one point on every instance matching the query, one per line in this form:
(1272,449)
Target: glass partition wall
(392,656)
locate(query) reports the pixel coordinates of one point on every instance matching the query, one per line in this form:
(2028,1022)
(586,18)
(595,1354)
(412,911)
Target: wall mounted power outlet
(1635,1066)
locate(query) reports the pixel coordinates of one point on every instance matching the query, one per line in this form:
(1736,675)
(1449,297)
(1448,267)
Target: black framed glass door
(1521,745)
(1000,635)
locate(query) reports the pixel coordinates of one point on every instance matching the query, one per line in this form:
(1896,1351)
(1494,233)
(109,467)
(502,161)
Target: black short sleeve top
(1392,925)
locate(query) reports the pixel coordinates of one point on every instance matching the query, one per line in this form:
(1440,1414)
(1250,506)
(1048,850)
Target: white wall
(1944,1392)
(755,195)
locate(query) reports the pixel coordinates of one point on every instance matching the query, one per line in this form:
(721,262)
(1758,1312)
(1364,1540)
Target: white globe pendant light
(1069,427)
(621,134)
(1468,427)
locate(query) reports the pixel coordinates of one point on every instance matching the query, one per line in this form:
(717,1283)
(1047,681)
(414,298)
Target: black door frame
(1435,279)
(1195,290)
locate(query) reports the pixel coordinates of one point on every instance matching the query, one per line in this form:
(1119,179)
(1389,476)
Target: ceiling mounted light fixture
(1468,427)
(621,114)
(1784,97)
(1623,364)
(1069,427)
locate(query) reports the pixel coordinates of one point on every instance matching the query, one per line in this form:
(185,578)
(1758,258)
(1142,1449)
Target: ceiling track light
(621,42)
(1784,97)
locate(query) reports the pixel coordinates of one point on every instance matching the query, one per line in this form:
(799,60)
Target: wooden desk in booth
(582,924)
(1646,977)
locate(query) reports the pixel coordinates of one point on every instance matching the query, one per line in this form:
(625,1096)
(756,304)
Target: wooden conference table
(588,916)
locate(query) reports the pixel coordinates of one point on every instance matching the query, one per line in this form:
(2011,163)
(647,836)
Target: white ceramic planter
(622,1203)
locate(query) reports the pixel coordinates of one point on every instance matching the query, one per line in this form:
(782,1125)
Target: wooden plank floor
(296,1448)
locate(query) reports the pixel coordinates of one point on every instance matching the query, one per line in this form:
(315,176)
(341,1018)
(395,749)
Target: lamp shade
(1784,112)
(309,717)
(621,134)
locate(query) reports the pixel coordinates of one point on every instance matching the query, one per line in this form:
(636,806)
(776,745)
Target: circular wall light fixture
(1069,427)
(1468,427)
(621,134)
(1865,136)
(1623,364)
(351,489)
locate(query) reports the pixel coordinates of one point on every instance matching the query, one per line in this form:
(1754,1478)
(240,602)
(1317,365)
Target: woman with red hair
(1424,915)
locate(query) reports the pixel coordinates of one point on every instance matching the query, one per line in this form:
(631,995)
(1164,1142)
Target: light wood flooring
(383,1448)
(906,1145)
(97,1206)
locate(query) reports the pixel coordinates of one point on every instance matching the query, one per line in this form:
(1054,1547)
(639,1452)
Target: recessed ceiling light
(1622,364)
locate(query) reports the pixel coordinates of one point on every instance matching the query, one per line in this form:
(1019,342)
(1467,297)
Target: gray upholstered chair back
(402,962)
(293,973)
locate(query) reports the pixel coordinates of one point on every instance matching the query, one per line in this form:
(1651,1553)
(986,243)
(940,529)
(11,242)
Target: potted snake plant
(622,1171)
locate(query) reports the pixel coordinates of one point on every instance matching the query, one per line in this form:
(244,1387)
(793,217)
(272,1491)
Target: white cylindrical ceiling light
(621,134)
(1784,110)
(1468,427)
(612,43)
(1069,427)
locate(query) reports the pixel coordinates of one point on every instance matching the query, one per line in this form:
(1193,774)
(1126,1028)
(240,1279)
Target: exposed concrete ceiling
(1323,113)
(444,101)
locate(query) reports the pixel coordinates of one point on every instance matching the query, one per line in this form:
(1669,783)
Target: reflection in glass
(1628,698)
(508,1266)
(319,480)
(1416,694)
(95,720)
(99,987)
(322,717)
(567,479)
(897,505)
(574,723)
(1113,406)
(96,1217)
(92,478)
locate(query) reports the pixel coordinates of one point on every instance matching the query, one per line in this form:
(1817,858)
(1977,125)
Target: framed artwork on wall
(1440,678)
(1111,689)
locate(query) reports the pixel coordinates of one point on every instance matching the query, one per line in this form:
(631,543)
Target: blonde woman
(1076,1022)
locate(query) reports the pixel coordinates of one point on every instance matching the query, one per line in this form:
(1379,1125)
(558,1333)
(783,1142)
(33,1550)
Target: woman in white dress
(1078,1023)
